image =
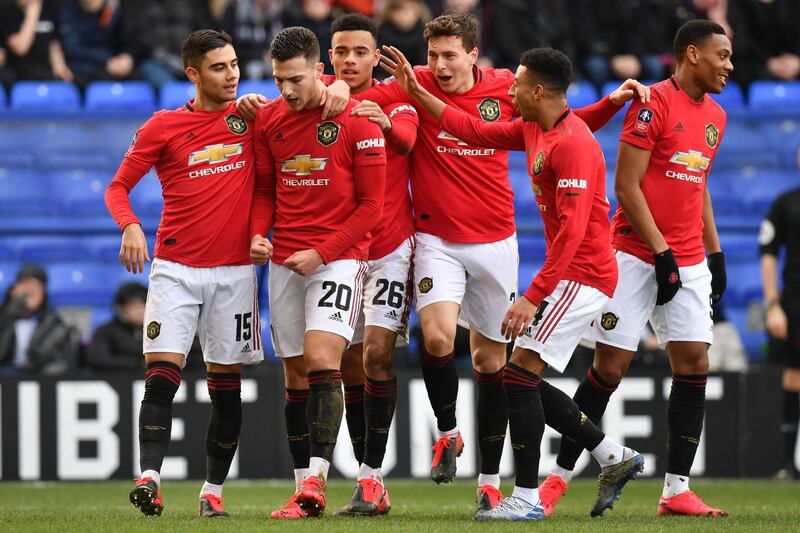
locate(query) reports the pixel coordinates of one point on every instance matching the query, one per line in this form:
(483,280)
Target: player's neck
(552,110)
(361,88)
(688,85)
(313,102)
(206,104)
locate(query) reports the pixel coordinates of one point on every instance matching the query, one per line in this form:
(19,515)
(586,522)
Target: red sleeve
(385,93)
(598,114)
(144,151)
(474,131)
(644,122)
(262,214)
(405,123)
(575,167)
(370,179)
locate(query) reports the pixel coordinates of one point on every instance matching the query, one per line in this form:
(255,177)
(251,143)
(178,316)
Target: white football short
(327,300)
(561,321)
(482,278)
(387,293)
(687,317)
(219,304)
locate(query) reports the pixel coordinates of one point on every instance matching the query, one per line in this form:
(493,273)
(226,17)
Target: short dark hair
(694,33)
(552,67)
(199,42)
(295,41)
(355,22)
(461,25)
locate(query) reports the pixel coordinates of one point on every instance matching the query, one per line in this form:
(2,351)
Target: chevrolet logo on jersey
(693,160)
(215,153)
(302,165)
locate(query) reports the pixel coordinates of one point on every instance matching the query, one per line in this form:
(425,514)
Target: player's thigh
(438,275)
(622,319)
(528,359)
(561,321)
(687,317)
(492,280)
(172,308)
(387,292)
(295,374)
(439,322)
(323,350)
(230,325)
(287,296)
(333,295)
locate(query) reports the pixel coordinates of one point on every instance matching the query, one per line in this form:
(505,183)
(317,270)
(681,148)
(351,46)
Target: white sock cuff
(489,479)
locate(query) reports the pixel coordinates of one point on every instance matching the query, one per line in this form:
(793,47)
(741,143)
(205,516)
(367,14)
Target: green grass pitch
(417,506)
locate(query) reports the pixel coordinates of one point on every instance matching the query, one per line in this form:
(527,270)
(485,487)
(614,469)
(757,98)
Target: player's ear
(193,75)
(692,54)
(377,58)
(473,55)
(330,55)
(319,69)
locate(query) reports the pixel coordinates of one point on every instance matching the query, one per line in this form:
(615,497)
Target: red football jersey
(205,162)
(460,193)
(568,176)
(320,184)
(683,137)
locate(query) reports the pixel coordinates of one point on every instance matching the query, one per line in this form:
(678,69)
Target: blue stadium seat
(745,147)
(80,193)
(146,196)
(8,249)
(3,98)
(16,157)
(527,270)
(120,96)
(23,193)
(731,98)
(757,189)
(265,87)
(744,283)
(740,247)
(45,96)
(775,96)
(532,247)
(99,316)
(105,248)
(45,249)
(175,94)
(81,283)
(580,94)
(266,336)
(8,273)
(81,157)
(119,275)
(754,341)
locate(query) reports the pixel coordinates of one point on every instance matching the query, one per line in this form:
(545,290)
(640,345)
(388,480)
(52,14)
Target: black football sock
(381,398)
(294,412)
(526,422)
(441,382)
(324,411)
(225,424)
(562,414)
(354,414)
(685,413)
(492,419)
(591,398)
(155,414)
(791,414)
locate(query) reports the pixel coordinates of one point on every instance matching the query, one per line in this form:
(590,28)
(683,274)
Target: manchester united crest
(236,124)
(327,133)
(712,135)
(609,321)
(153,330)
(425,285)
(489,109)
(538,164)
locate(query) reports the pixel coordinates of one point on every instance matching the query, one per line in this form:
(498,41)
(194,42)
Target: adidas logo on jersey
(246,348)
(337,316)
(391,314)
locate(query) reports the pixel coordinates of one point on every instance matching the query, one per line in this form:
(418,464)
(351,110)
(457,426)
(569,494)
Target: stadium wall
(85,429)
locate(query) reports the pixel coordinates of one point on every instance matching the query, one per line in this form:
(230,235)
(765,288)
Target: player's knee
(489,359)
(438,344)
(378,360)
(294,373)
(610,373)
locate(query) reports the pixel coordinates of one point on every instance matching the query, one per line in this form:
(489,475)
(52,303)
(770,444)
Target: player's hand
(374,113)
(304,262)
(335,98)
(629,90)
(517,318)
(133,252)
(776,322)
(398,66)
(260,250)
(248,105)
(719,278)
(668,276)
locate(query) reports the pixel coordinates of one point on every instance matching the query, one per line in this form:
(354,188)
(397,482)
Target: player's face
(714,63)
(523,94)
(297,81)
(217,78)
(353,55)
(451,63)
